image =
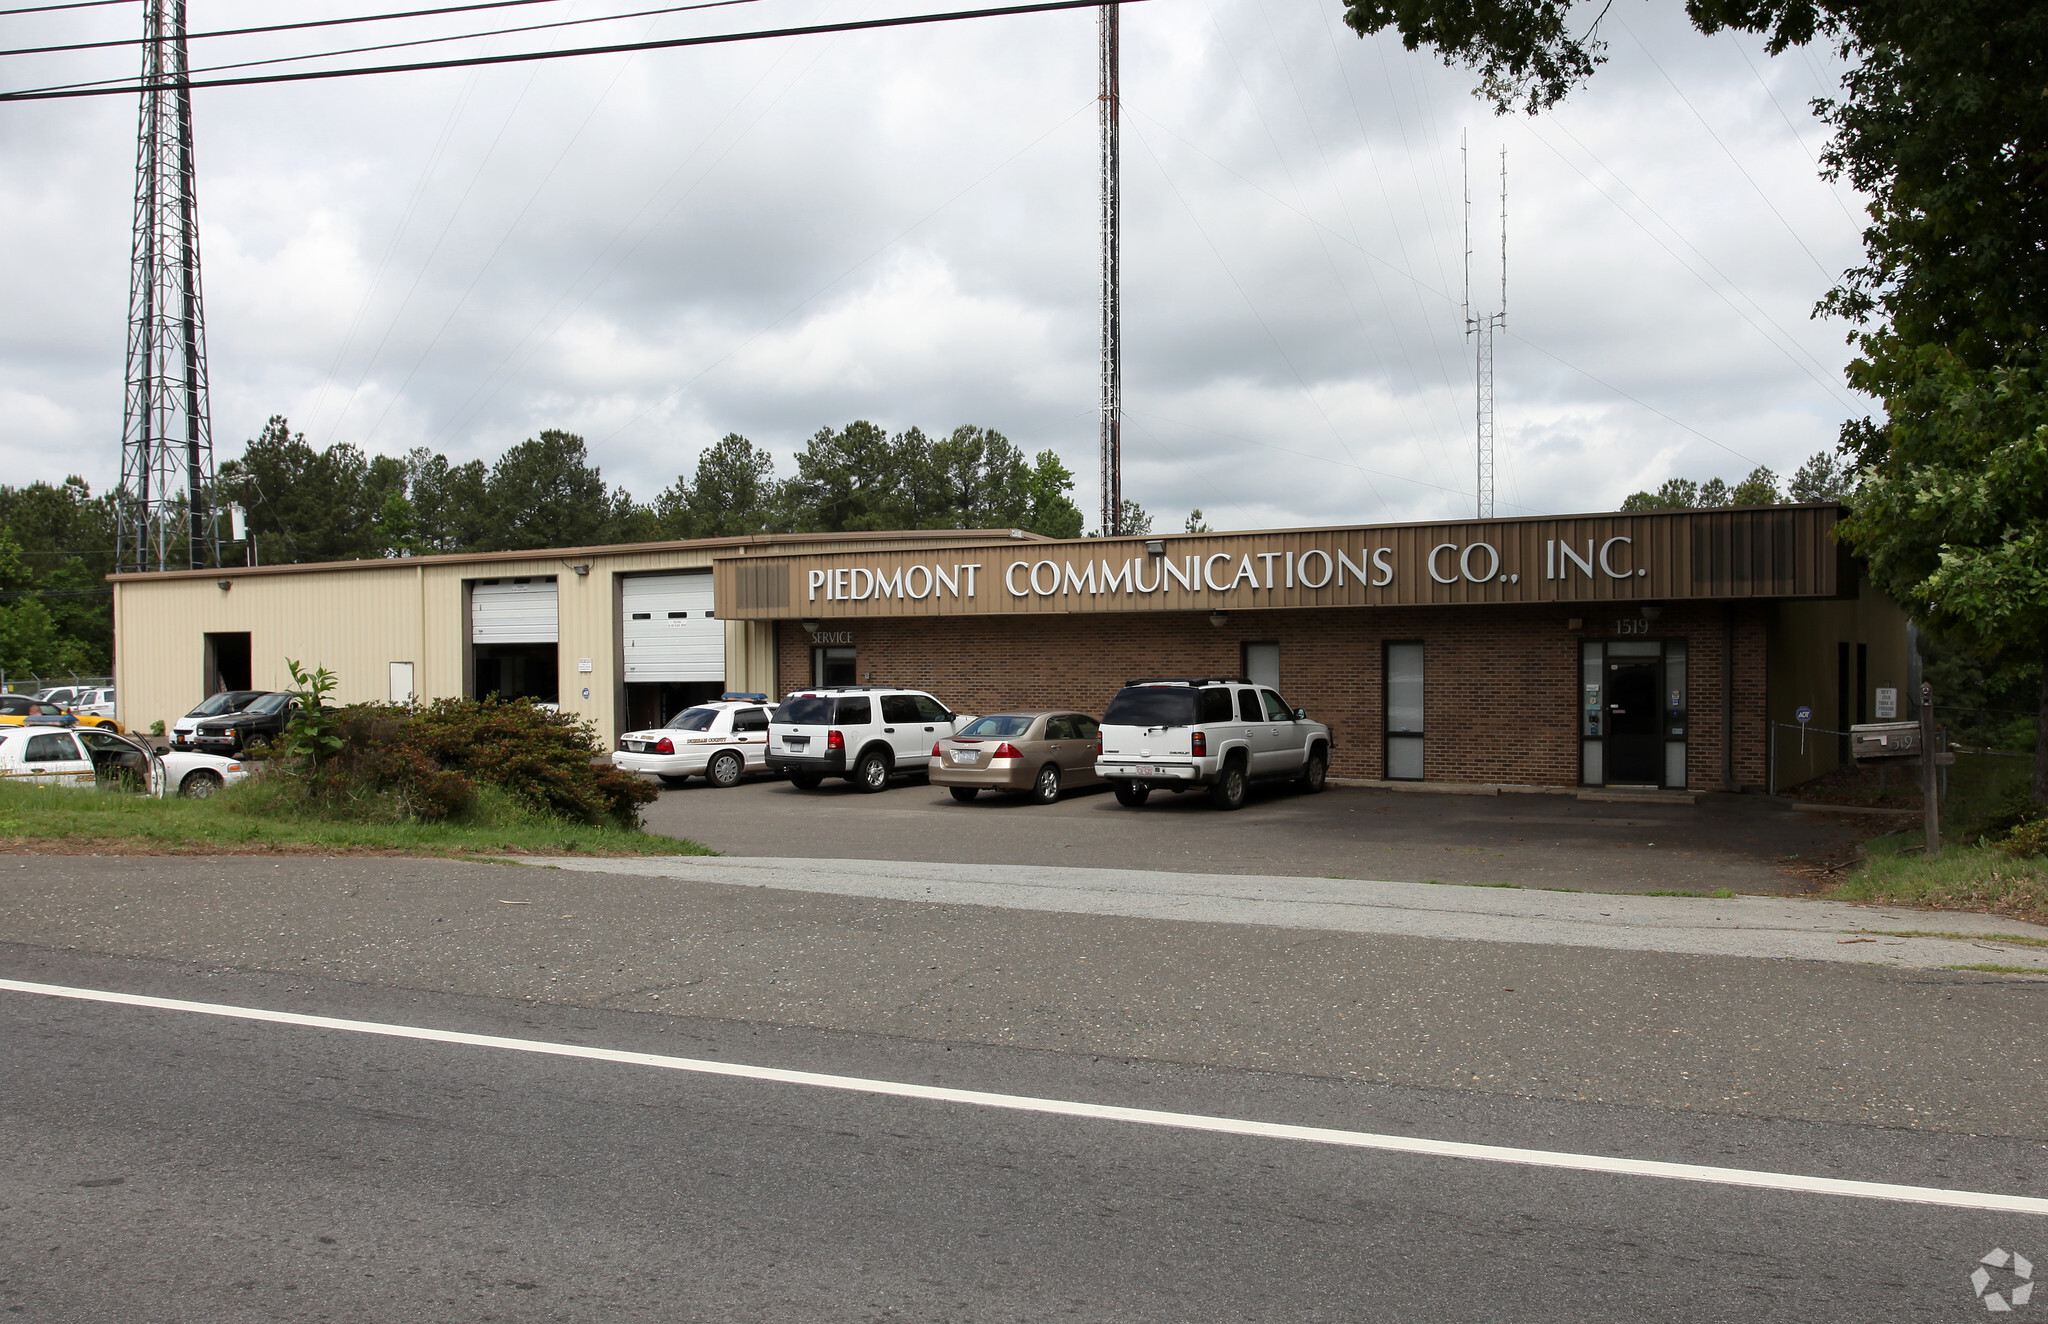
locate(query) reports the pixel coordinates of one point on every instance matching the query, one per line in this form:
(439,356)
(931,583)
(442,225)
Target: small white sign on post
(1887,705)
(1805,715)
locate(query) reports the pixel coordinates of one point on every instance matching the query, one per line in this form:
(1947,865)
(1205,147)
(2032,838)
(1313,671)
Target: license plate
(635,746)
(964,756)
(796,742)
(1147,770)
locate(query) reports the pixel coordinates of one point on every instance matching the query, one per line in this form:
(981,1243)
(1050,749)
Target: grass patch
(1997,969)
(254,817)
(1981,878)
(2011,939)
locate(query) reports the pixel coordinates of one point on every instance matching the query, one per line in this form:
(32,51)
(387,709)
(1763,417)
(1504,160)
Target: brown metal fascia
(910,538)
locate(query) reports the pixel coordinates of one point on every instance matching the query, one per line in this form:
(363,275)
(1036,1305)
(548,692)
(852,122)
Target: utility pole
(1112,384)
(1481,330)
(165,506)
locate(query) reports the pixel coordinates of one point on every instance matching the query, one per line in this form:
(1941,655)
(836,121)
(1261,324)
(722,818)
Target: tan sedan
(1036,752)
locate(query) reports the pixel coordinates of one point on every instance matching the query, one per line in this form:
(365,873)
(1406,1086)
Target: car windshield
(227,701)
(693,719)
(805,710)
(1151,705)
(269,703)
(1001,725)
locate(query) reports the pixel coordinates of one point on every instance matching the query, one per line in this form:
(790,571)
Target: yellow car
(21,710)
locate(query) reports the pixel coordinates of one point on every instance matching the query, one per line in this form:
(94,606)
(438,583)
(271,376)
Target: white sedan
(720,742)
(90,757)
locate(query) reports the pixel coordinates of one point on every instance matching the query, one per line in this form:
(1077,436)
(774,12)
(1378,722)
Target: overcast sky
(654,250)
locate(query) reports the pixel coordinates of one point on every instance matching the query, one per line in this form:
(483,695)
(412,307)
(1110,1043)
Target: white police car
(720,741)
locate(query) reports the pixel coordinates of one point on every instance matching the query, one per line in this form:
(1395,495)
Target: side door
(938,723)
(53,758)
(1077,745)
(750,730)
(1289,742)
(1258,733)
(904,728)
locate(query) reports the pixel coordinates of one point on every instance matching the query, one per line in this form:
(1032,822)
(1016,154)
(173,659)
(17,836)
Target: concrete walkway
(1777,927)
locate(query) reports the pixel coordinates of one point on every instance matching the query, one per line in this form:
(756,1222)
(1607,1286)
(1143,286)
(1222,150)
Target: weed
(1997,969)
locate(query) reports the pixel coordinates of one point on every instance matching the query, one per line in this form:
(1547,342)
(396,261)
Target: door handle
(888,730)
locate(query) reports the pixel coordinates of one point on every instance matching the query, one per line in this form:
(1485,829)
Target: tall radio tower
(1112,319)
(1481,329)
(167,518)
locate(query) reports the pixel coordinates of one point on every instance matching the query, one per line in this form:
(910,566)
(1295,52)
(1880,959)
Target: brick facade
(1500,693)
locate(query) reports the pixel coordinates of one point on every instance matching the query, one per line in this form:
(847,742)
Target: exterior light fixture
(810,627)
(581,570)
(1155,546)
(1652,612)
(1219,618)
(224,584)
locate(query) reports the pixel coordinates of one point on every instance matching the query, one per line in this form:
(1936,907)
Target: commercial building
(1643,650)
(624,636)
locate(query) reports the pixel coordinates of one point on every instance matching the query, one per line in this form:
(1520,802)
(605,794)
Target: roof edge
(741,542)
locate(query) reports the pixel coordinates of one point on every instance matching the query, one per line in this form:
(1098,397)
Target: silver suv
(1222,733)
(864,733)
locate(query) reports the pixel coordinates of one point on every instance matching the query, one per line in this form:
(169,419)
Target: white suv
(864,733)
(1222,733)
(720,741)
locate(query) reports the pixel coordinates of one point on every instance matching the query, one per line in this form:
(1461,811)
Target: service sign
(1785,551)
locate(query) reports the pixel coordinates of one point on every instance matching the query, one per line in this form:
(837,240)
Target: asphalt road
(166,1166)
(1744,843)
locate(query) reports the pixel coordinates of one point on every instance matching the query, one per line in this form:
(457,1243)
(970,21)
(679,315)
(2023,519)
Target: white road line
(1539,1158)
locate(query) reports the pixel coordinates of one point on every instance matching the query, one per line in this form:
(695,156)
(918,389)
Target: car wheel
(1046,789)
(672,781)
(964,793)
(806,781)
(1316,773)
(1228,792)
(1132,794)
(199,784)
(725,770)
(871,774)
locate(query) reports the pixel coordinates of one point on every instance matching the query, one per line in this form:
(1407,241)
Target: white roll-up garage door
(670,633)
(513,611)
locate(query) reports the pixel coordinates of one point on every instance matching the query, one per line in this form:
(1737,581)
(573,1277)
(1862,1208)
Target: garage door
(670,633)
(513,611)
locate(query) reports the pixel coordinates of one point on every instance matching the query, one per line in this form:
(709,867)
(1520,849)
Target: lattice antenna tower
(1481,330)
(166,502)
(1112,382)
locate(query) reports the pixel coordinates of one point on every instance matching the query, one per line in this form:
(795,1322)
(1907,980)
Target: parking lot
(1744,843)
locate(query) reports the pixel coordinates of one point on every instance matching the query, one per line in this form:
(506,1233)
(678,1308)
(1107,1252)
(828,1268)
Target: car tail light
(935,749)
(835,740)
(1200,745)
(1006,750)
(1098,747)
(664,746)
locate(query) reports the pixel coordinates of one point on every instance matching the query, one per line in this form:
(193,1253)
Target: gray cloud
(769,238)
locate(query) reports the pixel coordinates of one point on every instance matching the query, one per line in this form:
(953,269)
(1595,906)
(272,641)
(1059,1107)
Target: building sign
(1771,552)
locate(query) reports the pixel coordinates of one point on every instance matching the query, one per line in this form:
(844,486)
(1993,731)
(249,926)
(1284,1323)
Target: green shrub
(381,762)
(2027,841)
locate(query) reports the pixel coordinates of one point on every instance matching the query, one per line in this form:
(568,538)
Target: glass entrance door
(1635,734)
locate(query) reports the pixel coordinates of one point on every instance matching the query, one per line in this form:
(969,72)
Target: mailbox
(1872,741)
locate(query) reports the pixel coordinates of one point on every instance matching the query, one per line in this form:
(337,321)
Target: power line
(338,22)
(75,4)
(427,41)
(619,48)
